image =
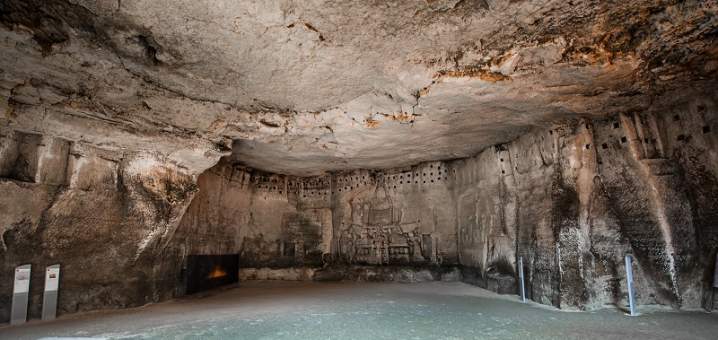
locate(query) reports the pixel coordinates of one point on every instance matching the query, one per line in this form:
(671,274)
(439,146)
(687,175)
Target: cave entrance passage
(206,272)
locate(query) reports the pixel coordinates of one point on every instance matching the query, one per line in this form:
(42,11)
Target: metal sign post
(715,284)
(20,294)
(629,279)
(521,279)
(49,300)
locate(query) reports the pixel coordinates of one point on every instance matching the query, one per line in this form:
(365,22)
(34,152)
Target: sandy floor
(437,310)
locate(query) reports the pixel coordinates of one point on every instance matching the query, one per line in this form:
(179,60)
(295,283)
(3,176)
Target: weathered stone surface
(399,140)
(107,225)
(575,199)
(572,201)
(394,217)
(306,87)
(404,274)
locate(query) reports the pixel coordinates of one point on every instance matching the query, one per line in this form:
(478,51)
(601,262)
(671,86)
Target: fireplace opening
(206,272)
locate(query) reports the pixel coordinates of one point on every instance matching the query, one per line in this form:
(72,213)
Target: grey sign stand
(629,280)
(52,284)
(20,294)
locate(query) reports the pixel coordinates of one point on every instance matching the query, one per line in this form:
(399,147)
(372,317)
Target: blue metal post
(521,279)
(629,279)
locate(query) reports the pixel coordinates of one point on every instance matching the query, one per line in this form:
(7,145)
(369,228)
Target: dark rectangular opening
(206,272)
(22,157)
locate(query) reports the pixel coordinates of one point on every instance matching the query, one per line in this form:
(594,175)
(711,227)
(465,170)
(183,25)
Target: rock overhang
(315,87)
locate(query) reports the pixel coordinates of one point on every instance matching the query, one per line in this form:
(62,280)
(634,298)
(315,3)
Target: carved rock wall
(106,216)
(109,110)
(573,200)
(252,213)
(398,217)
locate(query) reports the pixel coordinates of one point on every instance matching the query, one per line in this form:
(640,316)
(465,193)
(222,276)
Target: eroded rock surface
(306,87)
(425,134)
(105,217)
(571,200)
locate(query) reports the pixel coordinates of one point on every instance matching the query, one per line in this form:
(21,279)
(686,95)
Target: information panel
(49,300)
(20,293)
(52,278)
(22,280)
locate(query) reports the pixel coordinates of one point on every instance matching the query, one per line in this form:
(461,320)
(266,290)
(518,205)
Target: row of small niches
(427,175)
(685,138)
(322,193)
(401,181)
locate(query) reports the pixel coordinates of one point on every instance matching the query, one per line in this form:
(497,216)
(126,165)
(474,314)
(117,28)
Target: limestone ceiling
(304,87)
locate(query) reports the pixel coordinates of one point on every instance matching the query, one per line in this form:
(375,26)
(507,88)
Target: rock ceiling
(303,87)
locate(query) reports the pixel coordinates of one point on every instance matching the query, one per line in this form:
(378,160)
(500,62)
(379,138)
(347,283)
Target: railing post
(629,280)
(521,279)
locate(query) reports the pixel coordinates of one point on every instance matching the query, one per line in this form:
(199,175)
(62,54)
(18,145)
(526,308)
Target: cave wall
(394,217)
(407,211)
(108,116)
(252,214)
(106,216)
(574,199)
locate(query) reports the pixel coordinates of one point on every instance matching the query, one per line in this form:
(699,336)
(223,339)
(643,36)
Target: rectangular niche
(205,272)
(30,157)
(20,156)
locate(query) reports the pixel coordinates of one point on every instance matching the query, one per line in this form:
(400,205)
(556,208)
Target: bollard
(521,279)
(20,294)
(629,279)
(49,299)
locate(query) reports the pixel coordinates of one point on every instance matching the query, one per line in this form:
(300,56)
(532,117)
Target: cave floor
(307,310)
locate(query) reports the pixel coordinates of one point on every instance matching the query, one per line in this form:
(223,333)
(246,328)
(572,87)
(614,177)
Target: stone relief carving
(301,238)
(377,235)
